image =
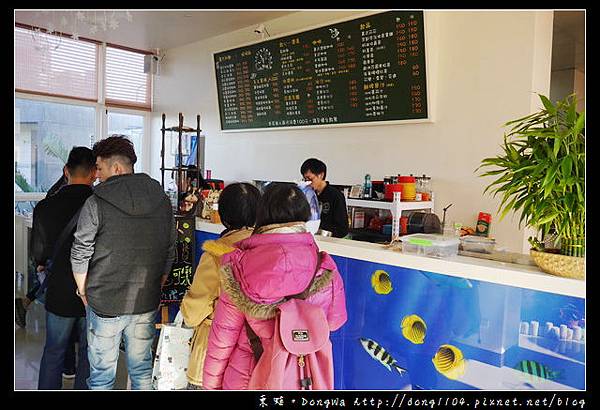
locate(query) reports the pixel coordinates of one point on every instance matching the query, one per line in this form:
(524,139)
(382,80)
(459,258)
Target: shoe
(68,374)
(20,313)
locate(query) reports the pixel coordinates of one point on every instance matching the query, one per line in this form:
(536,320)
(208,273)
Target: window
(52,65)
(45,132)
(60,103)
(131,125)
(126,83)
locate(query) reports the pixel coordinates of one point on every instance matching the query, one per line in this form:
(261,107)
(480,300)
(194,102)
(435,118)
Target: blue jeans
(58,339)
(104,336)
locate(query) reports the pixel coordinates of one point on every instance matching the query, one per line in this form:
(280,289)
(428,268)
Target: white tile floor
(29,345)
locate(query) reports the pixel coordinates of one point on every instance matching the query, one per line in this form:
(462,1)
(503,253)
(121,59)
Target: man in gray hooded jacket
(122,253)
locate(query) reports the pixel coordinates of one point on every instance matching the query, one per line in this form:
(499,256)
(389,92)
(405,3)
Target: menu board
(182,272)
(365,70)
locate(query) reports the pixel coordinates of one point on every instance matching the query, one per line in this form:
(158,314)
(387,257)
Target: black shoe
(20,313)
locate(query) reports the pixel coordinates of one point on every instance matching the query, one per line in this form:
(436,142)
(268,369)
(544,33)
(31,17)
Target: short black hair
(81,161)
(237,205)
(316,166)
(116,146)
(281,203)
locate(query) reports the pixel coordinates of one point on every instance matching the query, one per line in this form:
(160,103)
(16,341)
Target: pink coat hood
(271,266)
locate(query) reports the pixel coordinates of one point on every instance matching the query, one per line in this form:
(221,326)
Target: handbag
(172,356)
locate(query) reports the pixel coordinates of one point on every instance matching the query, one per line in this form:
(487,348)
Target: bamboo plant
(542,174)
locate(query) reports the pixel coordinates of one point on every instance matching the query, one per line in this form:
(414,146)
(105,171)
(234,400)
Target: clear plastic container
(472,243)
(434,245)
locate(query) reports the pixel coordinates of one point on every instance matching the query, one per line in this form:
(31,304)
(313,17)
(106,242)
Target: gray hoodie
(125,241)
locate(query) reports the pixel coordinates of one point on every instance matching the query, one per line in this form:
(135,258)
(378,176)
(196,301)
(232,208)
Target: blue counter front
(415,329)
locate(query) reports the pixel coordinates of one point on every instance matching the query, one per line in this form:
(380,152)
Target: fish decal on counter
(449,361)
(414,329)
(445,280)
(381,282)
(538,370)
(381,355)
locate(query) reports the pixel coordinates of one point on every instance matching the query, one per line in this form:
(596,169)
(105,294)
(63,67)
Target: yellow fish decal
(381,282)
(449,361)
(414,329)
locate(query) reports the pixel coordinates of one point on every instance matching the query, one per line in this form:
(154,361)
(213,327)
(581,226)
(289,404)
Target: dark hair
(237,205)
(281,203)
(315,166)
(116,146)
(81,161)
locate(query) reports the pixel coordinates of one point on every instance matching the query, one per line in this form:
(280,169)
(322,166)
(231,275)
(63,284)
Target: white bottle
(577,333)
(535,327)
(172,194)
(563,332)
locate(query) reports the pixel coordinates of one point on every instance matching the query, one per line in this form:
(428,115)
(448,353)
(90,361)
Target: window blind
(126,84)
(54,65)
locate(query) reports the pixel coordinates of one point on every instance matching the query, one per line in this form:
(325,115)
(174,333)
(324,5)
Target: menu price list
(363,70)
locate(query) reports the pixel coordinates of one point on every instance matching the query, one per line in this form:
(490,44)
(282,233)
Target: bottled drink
(172,194)
(367,192)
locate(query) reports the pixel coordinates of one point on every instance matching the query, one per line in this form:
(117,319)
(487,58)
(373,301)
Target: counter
(457,323)
(526,277)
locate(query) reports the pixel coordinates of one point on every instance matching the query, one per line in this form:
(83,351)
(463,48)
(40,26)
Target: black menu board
(182,271)
(364,70)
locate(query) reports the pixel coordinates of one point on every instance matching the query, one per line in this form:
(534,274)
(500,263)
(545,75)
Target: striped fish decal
(536,369)
(381,355)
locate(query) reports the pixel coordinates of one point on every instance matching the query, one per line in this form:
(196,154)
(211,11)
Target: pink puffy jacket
(264,269)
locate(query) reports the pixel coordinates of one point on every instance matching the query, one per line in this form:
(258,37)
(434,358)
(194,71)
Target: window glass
(45,133)
(131,125)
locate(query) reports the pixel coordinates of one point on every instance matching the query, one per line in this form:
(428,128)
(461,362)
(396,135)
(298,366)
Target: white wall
(484,69)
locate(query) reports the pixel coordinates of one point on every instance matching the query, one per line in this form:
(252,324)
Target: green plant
(22,183)
(542,171)
(55,148)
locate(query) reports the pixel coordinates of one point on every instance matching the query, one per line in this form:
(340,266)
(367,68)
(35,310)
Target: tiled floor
(29,345)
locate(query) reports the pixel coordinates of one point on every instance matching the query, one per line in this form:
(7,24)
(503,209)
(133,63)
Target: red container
(483,224)
(406,179)
(390,189)
(403,225)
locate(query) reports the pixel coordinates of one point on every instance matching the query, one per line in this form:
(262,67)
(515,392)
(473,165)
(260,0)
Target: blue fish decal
(537,369)
(381,355)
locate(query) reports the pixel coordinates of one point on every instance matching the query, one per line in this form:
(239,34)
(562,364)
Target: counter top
(509,274)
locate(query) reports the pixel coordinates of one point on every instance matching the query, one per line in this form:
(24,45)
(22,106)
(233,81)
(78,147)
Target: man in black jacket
(122,253)
(334,213)
(64,310)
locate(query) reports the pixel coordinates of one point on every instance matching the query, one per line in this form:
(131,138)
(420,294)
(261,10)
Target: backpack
(300,356)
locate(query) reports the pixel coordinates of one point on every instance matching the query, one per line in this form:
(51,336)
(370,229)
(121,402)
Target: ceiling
(152,29)
(568,42)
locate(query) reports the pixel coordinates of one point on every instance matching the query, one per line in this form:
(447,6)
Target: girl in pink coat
(278,260)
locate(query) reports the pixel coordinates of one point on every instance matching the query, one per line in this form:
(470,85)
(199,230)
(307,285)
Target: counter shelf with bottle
(368,218)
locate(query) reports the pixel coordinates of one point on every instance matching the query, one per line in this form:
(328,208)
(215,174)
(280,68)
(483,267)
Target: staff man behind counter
(334,214)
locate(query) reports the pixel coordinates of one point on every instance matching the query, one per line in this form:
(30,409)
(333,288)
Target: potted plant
(541,174)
